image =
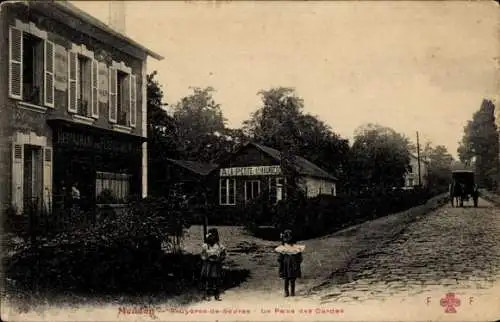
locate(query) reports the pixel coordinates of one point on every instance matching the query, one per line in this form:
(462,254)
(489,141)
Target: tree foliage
(202,133)
(281,124)
(439,165)
(162,136)
(379,158)
(481,142)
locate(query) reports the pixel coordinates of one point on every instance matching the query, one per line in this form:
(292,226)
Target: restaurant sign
(251,171)
(79,140)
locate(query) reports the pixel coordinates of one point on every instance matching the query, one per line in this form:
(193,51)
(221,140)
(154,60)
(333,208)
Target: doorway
(33,177)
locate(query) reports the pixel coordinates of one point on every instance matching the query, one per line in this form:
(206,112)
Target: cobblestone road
(456,249)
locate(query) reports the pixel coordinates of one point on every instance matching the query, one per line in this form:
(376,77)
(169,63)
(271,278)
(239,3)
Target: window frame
(251,182)
(47,70)
(113,95)
(226,184)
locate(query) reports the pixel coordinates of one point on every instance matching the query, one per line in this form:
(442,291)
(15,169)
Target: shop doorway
(83,173)
(33,177)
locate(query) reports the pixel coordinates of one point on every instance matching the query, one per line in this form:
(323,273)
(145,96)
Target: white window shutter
(48,67)
(112,95)
(17,176)
(95,89)
(72,86)
(47,179)
(133,100)
(15,63)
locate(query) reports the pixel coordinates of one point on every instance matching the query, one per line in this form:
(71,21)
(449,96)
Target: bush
(114,252)
(325,213)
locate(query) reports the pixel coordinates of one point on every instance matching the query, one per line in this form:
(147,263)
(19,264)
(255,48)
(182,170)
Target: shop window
(32,69)
(84,85)
(227,191)
(112,187)
(252,189)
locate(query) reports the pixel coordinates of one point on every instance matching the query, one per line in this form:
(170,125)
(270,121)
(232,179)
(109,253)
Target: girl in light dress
(213,254)
(290,260)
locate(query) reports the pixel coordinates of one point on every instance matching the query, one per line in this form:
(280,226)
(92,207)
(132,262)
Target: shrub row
(312,217)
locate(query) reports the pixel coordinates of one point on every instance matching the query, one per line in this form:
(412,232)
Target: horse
(457,194)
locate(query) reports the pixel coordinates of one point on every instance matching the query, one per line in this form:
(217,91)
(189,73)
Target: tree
(481,142)
(162,134)
(281,124)
(379,158)
(202,133)
(439,166)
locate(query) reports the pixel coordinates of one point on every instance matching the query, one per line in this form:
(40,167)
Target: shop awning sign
(272,170)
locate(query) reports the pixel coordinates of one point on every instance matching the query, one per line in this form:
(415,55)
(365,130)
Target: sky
(413,66)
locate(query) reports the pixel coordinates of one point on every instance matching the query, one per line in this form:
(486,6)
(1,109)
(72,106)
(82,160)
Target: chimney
(117,15)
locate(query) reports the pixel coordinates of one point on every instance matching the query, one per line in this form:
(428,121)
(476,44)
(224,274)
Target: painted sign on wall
(60,68)
(251,171)
(80,140)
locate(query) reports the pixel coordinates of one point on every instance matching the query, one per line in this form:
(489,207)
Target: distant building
(72,105)
(411,177)
(255,168)
(188,177)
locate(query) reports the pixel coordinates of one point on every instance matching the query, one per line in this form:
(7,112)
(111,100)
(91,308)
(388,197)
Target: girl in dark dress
(290,259)
(213,254)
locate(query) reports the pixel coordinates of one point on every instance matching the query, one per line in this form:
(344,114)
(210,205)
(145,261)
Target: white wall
(314,187)
(413,175)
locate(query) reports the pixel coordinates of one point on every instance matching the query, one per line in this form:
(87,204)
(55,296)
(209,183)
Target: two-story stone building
(72,105)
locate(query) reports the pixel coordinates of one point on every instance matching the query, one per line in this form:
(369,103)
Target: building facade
(73,106)
(411,177)
(254,169)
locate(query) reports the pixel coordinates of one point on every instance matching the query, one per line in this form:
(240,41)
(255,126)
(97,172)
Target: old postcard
(250,160)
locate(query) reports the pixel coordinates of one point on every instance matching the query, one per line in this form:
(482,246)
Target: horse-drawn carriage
(463,188)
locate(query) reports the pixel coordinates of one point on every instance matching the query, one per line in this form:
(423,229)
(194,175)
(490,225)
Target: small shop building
(73,106)
(188,178)
(255,168)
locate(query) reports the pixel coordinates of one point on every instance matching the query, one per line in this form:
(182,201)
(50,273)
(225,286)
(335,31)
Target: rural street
(397,267)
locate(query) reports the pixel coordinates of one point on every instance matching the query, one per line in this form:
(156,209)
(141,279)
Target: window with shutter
(133,100)
(84,85)
(15,63)
(123,98)
(49,73)
(17,177)
(33,69)
(72,82)
(47,179)
(95,89)
(112,95)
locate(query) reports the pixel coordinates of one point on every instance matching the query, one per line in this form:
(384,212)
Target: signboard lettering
(60,68)
(104,144)
(251,171)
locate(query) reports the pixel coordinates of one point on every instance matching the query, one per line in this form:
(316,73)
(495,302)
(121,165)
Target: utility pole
(418,161)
